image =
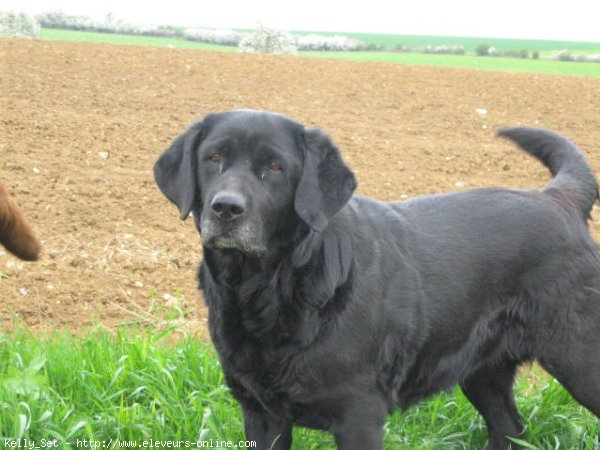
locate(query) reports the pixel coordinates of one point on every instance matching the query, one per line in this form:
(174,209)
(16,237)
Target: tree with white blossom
(267,40)
(17,24)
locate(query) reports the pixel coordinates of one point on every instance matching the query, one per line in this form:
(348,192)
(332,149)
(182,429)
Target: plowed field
(82,124)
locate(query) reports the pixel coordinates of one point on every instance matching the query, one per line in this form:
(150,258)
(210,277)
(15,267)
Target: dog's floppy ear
(326,183)
(175,170)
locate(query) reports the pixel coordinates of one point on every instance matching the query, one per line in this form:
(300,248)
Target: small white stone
(459,184)
(23,291)
(35,170)
(172,303)
(481,111)
(103,155)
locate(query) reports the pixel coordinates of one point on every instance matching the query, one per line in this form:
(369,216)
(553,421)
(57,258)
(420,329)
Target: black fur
(328,311)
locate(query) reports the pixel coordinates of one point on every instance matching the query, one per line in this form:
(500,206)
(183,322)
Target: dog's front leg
(362,427)
(268,431)
(360,438)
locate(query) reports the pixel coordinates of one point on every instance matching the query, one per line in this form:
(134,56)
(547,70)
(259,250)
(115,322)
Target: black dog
(329,310)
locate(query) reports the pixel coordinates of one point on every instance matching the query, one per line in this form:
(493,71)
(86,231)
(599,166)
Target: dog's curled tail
(573,179)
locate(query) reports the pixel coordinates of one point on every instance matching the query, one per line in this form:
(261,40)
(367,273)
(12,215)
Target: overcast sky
(536,19)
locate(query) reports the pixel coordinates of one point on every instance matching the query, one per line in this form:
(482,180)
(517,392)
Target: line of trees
(264,40)
(488,50)
(563,55)
(112,24)
(432,49)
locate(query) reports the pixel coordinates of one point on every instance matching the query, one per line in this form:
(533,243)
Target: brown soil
(82,124)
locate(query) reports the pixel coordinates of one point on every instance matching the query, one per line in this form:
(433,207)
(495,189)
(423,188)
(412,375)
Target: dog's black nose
(228,205)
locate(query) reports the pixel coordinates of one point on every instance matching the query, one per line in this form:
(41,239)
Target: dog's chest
(281,379)
(286,388)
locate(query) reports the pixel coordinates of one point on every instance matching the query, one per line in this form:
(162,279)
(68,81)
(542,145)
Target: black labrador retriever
(329,310)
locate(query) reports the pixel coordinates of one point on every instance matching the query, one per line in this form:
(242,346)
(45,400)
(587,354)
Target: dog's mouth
(230,243)
(242,237)
(245,234)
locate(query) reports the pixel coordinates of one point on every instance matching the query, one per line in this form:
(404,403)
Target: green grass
(138,385)
(51,34)
(468,61)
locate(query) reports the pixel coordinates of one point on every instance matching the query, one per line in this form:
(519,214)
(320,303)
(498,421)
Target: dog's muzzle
(228,224)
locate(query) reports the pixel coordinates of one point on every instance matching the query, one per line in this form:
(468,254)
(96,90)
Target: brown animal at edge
(15,234)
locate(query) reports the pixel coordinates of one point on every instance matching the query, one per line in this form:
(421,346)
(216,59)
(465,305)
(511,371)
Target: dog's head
(248,176)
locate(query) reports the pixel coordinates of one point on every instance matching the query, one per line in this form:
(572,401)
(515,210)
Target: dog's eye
(275,167)
(216,158)
(270,168)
